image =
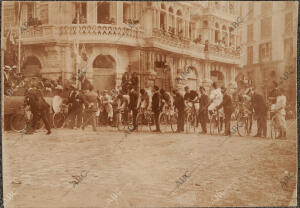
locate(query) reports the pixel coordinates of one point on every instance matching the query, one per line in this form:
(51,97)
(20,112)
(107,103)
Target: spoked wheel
(58,120)
(164,123)
(191,123)
(243,126)
(173,121)
(214,126)
(18,123)
(121,124)
(274,128)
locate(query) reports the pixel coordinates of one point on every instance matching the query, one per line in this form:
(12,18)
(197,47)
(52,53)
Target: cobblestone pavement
(141,169)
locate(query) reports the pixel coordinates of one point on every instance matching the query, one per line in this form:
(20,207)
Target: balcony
(223,54)
(85,33)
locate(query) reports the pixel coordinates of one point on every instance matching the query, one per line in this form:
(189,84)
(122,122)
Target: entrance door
(104,72)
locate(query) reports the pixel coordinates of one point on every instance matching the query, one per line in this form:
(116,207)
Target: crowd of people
(90,106)
(86,105)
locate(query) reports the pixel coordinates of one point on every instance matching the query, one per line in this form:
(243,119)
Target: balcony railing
(171,39)
(84,32)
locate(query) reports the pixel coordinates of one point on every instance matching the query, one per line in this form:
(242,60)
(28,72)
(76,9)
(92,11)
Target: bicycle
(214,122)
(59,118)
(191,118)
(124,119)
(244,121)
(275,127)
(145,118)
(168,119)
(20,121)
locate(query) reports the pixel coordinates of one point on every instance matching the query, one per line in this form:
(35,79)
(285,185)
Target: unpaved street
(141,169)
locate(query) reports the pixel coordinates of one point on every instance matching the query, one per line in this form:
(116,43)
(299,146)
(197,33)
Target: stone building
(269,40)
(170,44)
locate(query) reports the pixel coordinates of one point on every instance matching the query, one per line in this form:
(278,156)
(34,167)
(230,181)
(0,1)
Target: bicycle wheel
(173,122)
(191,123)
(18,123)
(164,122)
(242,126)
(274,129)
(58,120)
(214,125)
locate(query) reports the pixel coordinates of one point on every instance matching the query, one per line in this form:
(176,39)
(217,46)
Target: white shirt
(216,96)
(281,103)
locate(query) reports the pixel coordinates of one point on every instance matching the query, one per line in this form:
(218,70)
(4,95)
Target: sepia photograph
(109,104)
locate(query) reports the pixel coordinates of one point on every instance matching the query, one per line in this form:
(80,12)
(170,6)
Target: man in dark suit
(203,111)
(156,106)
(228,109)
(260,112)
(133,101)
(91,106)
(76,108)
(179,105)
(39,109)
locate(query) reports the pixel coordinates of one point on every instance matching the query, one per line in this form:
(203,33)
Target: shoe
(48,132)
(257,135)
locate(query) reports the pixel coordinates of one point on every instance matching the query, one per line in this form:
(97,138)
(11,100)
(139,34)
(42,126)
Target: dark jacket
(259,105)
(156,102)
(226,104)
(133,100)
(204,103)
(90,101)
(179,102)
(36,101)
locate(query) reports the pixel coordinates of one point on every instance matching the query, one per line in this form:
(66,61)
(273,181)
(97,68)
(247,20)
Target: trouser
(156,120)
(227,121)
(90,118)
(45,115)
(180,121)
(262,125)
(75,115)
(134,114)
(203,121)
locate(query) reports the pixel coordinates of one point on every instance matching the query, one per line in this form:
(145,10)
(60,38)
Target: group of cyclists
(175,111)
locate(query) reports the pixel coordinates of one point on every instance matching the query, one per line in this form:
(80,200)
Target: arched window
(217,33)
(103,13)
(179,21)
(171,9)
(163,6)
(104,61)
(32,66)
(205,24)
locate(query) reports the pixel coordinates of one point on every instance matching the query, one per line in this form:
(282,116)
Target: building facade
(170,44)
(270,43)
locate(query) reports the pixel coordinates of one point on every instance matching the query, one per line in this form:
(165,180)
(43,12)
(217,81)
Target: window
(9,17)
(163,20)
(103,13)
(266,27)
(288,48)
(265,52)
(266,7)
(250,33)
(80,7)
(30,11)
(250,55)
(288,23)
(250,9)
(126,12)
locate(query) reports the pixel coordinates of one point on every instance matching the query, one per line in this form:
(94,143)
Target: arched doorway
(104,76)
(32,67)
